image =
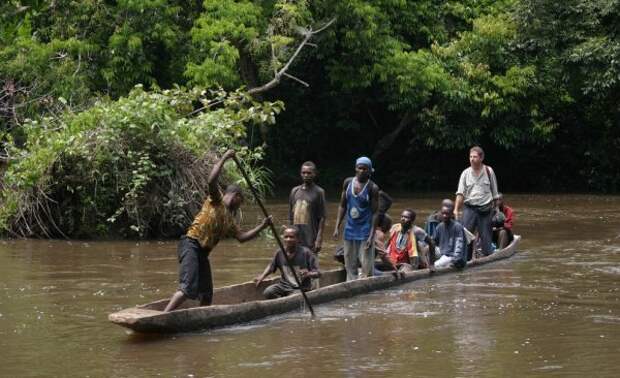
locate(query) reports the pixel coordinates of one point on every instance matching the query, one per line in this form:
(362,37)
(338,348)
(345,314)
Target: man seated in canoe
(502,224)
(436,218)
(402,244)
(301,258)
(426,245)
(215,221)
(451,240)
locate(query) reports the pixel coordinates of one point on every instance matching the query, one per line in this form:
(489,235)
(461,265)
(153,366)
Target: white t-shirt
(478,190)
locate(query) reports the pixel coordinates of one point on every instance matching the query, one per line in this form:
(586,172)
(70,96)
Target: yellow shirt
(213,223)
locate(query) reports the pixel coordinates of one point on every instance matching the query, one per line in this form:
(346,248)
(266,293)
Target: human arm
(460,251)
(509,218)
(342,207)
(493,183)
(431,253)
(291,204)
(214,175)
(263,275)
(460,194)
(374,208)
(313,268)
(458,203)
(318,242)
(242,236)
(268,270)
(380,247)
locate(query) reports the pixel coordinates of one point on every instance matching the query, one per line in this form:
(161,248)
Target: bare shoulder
(346,183)
(375,188)
(295,189)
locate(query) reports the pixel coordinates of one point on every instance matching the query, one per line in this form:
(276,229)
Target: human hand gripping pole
(274,232)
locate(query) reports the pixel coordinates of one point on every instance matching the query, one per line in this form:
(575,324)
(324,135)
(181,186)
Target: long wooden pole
(275,233)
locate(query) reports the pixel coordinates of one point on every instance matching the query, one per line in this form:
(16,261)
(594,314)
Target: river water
(551,310)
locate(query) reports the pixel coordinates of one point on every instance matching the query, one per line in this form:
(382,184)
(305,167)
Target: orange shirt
(213,223)
(410,249)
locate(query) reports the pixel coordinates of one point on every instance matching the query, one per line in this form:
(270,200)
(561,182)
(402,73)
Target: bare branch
(325,26)
(297,80)
(277,74)
(308,34)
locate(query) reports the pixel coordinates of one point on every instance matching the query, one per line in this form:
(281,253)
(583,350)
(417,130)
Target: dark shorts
(195,279)
(278,290)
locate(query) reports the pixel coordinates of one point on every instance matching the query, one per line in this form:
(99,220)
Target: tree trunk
(385,143)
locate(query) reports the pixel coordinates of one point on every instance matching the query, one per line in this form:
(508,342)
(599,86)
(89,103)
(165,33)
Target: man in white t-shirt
(477,191)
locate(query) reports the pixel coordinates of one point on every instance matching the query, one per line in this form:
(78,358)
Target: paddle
(275,233)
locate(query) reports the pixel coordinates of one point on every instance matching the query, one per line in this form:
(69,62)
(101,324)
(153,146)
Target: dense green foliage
(410,83)
(135,166)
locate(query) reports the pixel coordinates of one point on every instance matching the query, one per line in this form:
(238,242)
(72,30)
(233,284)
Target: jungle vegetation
(111,112)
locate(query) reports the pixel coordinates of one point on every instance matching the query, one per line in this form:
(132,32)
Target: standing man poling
(215,221)
(359,203)
(477,190)
(307,209)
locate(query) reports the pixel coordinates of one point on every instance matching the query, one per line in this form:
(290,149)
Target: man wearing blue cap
(359,203)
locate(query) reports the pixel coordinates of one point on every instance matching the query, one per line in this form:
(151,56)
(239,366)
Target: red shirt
(400,256)
(509,214)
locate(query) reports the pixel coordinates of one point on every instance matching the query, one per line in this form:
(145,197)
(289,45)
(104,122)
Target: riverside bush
(135,167)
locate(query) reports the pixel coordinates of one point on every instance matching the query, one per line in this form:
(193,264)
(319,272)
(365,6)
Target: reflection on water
(553,309)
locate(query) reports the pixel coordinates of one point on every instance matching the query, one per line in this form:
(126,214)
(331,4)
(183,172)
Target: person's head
(476,156)
(289,237)
(363,168)
(447,202)
(233,197)
(407,217)
(447,212)
(500,200)
(308,172)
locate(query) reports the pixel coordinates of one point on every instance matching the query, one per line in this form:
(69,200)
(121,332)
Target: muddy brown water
(551,310)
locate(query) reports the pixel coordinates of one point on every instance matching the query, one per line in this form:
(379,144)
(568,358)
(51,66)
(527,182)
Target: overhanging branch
(308,34)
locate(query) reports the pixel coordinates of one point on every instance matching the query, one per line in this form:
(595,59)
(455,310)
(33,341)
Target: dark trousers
(278,290)
(195,280)
(474,220)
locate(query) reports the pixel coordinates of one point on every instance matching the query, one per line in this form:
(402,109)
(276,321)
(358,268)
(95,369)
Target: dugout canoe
(244,302)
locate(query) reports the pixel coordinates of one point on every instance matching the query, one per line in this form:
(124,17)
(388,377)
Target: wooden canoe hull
(244,302)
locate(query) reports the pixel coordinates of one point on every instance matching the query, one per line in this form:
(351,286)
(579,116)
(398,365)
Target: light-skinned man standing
(477,192)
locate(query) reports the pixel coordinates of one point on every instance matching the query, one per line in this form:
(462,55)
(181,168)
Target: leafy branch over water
(133,167)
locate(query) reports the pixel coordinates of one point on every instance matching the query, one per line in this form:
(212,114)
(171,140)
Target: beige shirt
(478,190)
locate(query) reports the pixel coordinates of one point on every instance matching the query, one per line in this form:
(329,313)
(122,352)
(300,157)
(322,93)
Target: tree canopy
(411,83)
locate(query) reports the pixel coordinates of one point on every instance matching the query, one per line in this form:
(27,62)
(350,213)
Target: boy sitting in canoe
(215,221)
(451,240)
(302,260)
(502,232)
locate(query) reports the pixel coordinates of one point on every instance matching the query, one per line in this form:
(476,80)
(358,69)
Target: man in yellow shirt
(215,221)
